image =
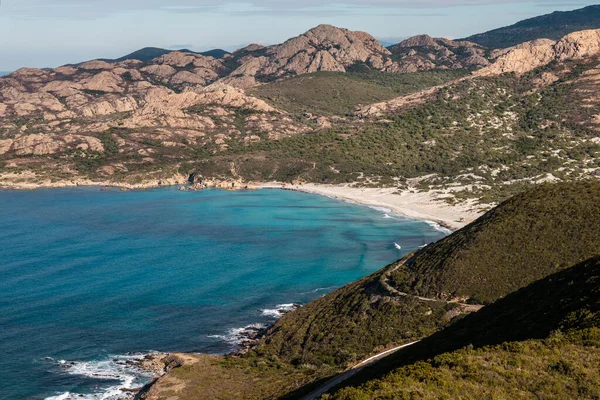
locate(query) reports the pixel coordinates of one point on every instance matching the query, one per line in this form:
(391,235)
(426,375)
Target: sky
(49,33)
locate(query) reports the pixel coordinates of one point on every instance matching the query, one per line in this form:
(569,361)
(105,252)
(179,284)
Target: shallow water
(89,278)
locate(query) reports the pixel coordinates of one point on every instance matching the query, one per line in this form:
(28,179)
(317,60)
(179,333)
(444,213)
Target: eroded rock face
(528,56)
(324,48)
(421,53)
(171,102)
(522,58)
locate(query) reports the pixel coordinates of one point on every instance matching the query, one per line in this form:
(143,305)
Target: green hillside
(336,93)
(349,324)
(542,341)
(551,26)
(525,239)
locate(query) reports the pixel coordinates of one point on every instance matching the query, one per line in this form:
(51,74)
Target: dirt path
(465,307)
(351,372)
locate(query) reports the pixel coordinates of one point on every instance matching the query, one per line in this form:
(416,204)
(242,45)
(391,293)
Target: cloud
(97,9)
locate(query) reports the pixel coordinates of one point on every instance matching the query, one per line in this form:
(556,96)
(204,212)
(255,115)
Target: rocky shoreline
(161,363)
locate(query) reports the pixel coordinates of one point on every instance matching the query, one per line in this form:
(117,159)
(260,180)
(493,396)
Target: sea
(92,278)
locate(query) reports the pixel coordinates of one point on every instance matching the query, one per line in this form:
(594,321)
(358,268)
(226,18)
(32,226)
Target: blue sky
(48,33)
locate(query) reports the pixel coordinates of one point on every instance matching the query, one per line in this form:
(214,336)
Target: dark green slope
(350,323)
(567,301)
(337,93)
(525,239)
(150,53)
(145,54)
(216,53)
(551,26)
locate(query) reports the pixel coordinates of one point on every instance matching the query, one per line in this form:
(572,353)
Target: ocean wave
(279,311)
(397,246)
(322,289)
(117,368)
(439,227)
(381,209)
(236,336)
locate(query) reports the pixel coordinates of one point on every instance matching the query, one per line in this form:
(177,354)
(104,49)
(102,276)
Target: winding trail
(352,371)
(467,308)
(385,282)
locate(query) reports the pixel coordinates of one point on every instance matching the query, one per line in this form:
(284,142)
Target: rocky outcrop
(421,53)
(324,48)
(528,56)
(171,102)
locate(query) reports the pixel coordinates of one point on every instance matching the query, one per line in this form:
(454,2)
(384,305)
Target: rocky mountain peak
(323,48)
(418,41)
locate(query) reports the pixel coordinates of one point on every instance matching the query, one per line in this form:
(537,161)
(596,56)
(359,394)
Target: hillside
(550,26)
(337,93)
(149,53)
(365,317)
(514,244)
(542,341)
(524,239)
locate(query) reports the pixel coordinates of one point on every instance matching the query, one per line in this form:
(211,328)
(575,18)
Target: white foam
(279,311)
(438,227)
(396,245)
(64,396)
(115,368)
(238,335)
(384,210)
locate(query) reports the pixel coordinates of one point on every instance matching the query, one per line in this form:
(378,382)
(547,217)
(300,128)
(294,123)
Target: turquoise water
(92,278)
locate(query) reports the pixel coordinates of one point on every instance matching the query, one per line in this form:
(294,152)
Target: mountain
(423,52)
(542,340)
(150,53)
(475,138)
(324,48)
(551,26)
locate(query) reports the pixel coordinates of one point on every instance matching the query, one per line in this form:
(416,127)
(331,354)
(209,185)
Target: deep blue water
(89,276)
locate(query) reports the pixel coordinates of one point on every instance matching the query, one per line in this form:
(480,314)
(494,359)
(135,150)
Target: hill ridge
(549,26)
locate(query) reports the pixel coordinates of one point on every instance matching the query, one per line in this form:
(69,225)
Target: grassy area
(213,377)
(336,93)
(557,368)
(540,342)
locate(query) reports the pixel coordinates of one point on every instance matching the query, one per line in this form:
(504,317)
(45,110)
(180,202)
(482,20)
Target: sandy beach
(427,206)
